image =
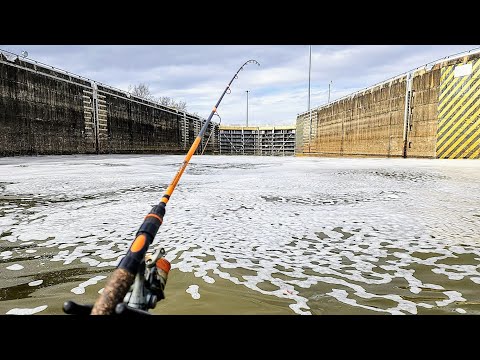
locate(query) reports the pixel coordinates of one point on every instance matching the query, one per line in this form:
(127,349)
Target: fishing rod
(148,274)
(209,136)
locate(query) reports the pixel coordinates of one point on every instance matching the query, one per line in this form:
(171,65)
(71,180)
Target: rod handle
(114,292)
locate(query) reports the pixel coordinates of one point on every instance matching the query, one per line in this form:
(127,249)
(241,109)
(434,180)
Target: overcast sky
(278,89)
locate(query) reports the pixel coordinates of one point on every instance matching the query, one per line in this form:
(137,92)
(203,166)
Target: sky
(277,89)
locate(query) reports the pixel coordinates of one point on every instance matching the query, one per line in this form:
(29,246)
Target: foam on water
(382,235)
(35,283)
(15,267)
(26,311)
(80,289)
(193,290)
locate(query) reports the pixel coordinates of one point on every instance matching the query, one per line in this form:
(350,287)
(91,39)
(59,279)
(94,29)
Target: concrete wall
(39,114)
(48,111)
(422,126)
(399,117)
(137,127)
(369,123)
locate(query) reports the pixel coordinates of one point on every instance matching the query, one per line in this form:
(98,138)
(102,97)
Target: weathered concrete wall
(401,117)
(369,123)
(422,124)
(137,127)
(373,121)
(47,111)
(299,135)
(39,114)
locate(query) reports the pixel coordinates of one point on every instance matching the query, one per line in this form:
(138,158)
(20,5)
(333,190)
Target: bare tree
(165,100)
(168,101)
(181,105)
(141,90)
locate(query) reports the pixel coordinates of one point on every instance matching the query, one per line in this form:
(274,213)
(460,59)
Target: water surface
(247,235)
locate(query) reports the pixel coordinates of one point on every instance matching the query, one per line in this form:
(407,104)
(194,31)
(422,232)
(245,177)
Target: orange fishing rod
(133,263)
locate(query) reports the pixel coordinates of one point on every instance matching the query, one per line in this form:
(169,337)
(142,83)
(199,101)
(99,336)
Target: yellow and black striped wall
(458,132)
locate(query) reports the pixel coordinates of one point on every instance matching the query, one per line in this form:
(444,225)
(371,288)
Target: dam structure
(49,111)
(257,140)
(432,111)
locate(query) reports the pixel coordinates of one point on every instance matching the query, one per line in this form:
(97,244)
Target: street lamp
(329,91)
(309,110)
(247,106)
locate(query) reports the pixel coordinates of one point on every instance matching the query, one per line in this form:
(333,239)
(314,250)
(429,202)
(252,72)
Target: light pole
(247,106)
(310,112)
(329,91)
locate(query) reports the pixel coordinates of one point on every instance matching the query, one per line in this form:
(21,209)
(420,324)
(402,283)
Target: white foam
(193,290)
(90,261)
(26,311)
(455,277)
(249,224)
(342,295)
(415,290)
(433,286)
(200,273)
(427,306)
(35,283)
(80,289)
(453,296)
(208,279)
(15,267)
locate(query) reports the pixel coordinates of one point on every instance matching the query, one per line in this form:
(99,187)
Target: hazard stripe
(464,139)
(466,143)
(453,122)
(447,82)
(458,131)
(460,88)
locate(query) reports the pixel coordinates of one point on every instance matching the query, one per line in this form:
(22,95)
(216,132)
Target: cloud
(278,89)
